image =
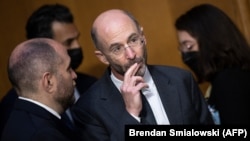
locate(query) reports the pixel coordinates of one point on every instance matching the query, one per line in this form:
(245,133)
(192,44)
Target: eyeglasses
(134,42)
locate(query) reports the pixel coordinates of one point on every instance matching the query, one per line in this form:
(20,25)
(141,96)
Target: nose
(73,74)
(75,44)
(129,52)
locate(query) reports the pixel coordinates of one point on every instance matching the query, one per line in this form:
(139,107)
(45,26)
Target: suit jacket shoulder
(29,121)
(84,81)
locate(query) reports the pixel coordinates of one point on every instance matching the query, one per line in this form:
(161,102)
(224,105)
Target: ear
(145,40)
(48,82)
(101,57)
(141,28)
(143,36)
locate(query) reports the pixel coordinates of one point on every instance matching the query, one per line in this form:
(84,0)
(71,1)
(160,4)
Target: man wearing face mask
(56,22)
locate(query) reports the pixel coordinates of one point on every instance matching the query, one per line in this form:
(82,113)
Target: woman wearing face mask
(217,52)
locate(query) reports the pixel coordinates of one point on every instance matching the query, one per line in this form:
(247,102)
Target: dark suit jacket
(30,122)
(101,113)
(83,82)
(230,96)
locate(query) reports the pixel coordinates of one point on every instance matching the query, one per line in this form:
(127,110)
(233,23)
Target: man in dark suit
(39,70)
(117,98)
(53,21)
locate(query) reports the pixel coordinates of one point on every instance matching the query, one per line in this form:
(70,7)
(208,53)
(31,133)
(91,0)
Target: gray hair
(35,58)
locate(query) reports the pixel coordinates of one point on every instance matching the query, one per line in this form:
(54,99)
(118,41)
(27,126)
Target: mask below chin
(191,59)
(76,56)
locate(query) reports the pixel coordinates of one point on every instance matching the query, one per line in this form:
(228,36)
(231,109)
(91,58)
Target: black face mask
(191,59)
(76,57)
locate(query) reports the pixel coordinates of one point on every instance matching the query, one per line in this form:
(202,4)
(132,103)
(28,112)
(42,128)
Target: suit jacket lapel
(168,94)
(110,97)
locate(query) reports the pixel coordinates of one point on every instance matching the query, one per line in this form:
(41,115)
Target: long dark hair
(221,44)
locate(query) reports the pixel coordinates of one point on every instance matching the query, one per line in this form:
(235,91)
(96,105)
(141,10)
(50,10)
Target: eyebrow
(132,35)
(186,41)
(69,40)
(129,38)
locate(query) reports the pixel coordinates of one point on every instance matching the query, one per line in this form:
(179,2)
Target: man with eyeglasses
(130,89)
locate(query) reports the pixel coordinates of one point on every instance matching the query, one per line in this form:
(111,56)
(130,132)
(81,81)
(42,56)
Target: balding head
(30,59)
(109,22)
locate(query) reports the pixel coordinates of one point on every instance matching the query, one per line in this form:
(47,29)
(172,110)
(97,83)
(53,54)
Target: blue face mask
(191,59)
(76,56)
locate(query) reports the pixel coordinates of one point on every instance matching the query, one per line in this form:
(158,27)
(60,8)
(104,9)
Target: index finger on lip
(132,70)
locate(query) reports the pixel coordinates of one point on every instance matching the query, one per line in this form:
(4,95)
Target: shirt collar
(42,105)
